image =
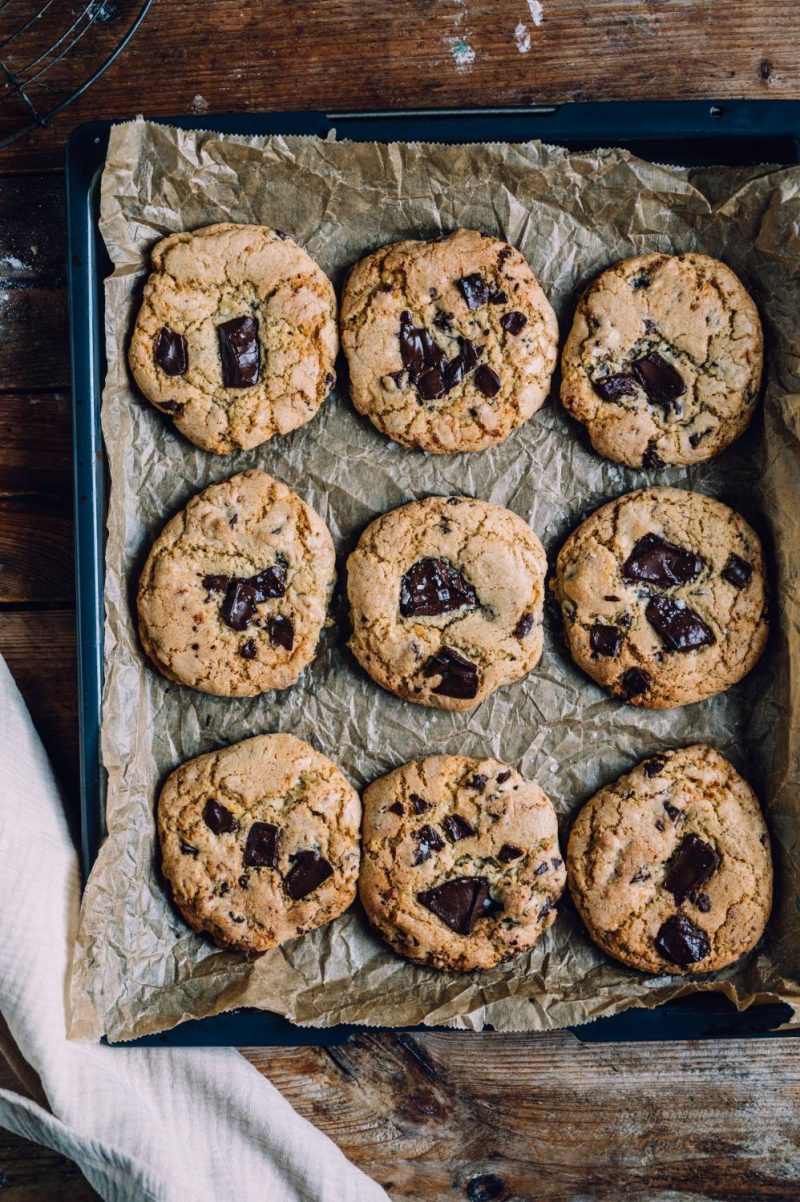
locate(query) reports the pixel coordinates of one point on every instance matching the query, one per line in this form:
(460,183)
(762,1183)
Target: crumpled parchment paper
(138,968)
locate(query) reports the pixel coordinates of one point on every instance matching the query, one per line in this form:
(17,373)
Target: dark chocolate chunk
(737,571)
(397,377)
(656,561)
(654,766)
(429,840)
(478,782)
(281,631)
(443,320)
(541,869)
(673,813)
(244,880)
(651,458)
(680,941)
(460,902)
(641,874)
(218,818)
(457,828)
(660,825)
(171,407)
(433,586)
(236,917)
(306,874)
(545,910)
(216,584)
(642,280)
(523,626)
(474,290)
(556,861)
(188,849)
(497,296)
(397,807)
(702,901)
(513,322)
(693,864)
(502,777)
(261,849)
(271,582)
(459,676)
(248,649)
(239,605)
(461,363)
(610,388)
(239,352)
(695,438)
(662,383)
(509,852)
(605,640)
(419,803)
(487,381)
(412,351)
(678,626)
(431,384)
(171,353)
(634,682)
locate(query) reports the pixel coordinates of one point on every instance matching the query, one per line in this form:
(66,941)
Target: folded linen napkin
(165,1125)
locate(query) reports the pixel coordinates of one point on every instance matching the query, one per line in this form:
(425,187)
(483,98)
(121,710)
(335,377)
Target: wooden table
(434,1116)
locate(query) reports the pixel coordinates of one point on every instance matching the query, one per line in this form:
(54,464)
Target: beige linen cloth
(167,1125)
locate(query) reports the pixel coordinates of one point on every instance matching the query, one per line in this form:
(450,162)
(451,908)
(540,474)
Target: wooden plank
(339,55)
(35,442)
(36,558)
(461,1116)
(34,352)
(32,228)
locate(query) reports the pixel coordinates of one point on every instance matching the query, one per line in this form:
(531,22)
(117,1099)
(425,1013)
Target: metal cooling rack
(52,51)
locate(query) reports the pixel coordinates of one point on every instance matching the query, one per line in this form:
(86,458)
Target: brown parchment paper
(137,967)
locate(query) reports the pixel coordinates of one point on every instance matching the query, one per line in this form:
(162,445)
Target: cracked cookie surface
(446,599)
(260,841)
(236,337)
(235,590)
(670,866)
(663,597)
(461,867)
(663,362)
(450,343)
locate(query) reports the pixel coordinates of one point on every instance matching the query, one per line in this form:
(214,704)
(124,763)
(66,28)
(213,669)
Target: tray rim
(703,1015)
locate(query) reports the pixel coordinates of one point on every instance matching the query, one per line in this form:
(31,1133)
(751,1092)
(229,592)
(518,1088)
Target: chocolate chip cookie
(451,343)
(446,598)
(670,866)
(236,587)
(260,841)
(663,362)
(663,597)
(236,337)
(461,867)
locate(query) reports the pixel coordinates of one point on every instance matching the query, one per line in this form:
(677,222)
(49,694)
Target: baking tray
(684,132)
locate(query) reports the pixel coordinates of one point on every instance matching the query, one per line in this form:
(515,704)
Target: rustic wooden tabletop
(433,1117)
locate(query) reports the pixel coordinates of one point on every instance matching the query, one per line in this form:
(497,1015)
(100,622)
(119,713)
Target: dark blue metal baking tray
(684,132)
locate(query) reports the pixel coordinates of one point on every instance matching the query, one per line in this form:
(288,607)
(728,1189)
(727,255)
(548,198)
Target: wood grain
(293,54)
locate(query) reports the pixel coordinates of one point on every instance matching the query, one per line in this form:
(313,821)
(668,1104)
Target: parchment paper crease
(137,967)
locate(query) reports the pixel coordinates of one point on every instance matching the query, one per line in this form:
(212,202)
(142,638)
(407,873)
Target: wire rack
(52,51)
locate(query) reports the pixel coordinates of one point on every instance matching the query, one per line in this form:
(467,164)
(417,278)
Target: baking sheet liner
(137,967)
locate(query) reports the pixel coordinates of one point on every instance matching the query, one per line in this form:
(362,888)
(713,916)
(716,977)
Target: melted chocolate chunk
(541,869)
(662,383)
(502,777)
(171,353)
(654,766)
(248,649)
(680,941)
(431,385)
(397,807)
(457,828)
(660,825)
(443,321)
(605,640)
(478,782)
(459,677)
(429,840)
(218,818)
(239,605)
(188,849)
(461,363)
(737,571)
(271,582)
(412,350)
(678,626)
(673,813)
(487,381)
(656,561)
(170,406)
(509,852)
(652,459)
(459,903)
(497,296)
(693,864)
(433,586)
(611,388)
(634,682)
(281,631)
(694,439)
(216,584)
(261,849)
(419,803)
(513,322)
(239,352)
(307,873)
(474,290)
